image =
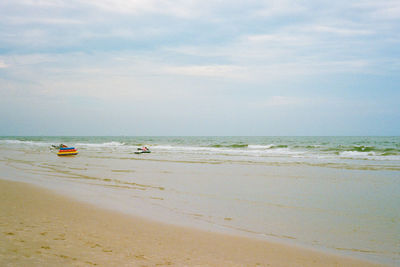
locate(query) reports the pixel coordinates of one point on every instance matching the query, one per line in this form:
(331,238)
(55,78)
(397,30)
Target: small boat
(143,150)
(67,151)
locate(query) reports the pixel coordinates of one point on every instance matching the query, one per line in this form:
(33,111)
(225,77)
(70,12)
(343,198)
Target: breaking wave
(254,148)
(107,144)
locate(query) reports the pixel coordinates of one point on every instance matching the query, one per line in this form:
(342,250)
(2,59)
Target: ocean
(337,194)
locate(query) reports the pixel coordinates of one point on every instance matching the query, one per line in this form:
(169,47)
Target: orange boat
(67,151)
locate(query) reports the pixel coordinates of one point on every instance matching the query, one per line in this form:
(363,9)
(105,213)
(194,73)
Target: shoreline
(40,227)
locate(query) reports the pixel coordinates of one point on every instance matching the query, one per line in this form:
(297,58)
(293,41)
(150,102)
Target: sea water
(339,194)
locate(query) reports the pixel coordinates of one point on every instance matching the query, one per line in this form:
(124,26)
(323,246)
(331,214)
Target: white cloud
(40,20)
(392,12)
(282,39)
(258,54)
(224,71)
(384,9)
(178,8)
(280,7)
(3,65)
(303,67)
(285,101)
(40,3)
(340,30)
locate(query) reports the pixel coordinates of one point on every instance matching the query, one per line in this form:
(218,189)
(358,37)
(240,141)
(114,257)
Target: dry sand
(41,228)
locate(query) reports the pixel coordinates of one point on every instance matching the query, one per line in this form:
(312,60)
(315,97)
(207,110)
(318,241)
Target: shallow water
(340,194)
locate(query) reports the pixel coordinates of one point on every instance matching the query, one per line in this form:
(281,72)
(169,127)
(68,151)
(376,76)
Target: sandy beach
(39,227)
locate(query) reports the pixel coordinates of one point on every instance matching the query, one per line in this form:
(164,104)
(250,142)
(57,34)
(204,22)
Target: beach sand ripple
(40,228)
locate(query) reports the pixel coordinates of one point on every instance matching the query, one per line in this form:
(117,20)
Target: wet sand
(41,228)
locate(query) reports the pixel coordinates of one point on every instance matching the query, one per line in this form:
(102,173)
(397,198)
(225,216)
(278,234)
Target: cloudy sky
(199,67)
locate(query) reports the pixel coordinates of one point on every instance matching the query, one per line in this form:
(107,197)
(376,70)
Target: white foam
(254,151)
(356,154)
(261,146)
(188,148)
(107,144)
(368,156)
(18,142)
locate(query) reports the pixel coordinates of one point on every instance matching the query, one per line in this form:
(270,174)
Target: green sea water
(370,153)
(340,194)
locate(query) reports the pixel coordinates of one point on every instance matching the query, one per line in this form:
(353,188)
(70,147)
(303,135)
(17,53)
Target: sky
(199,67)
